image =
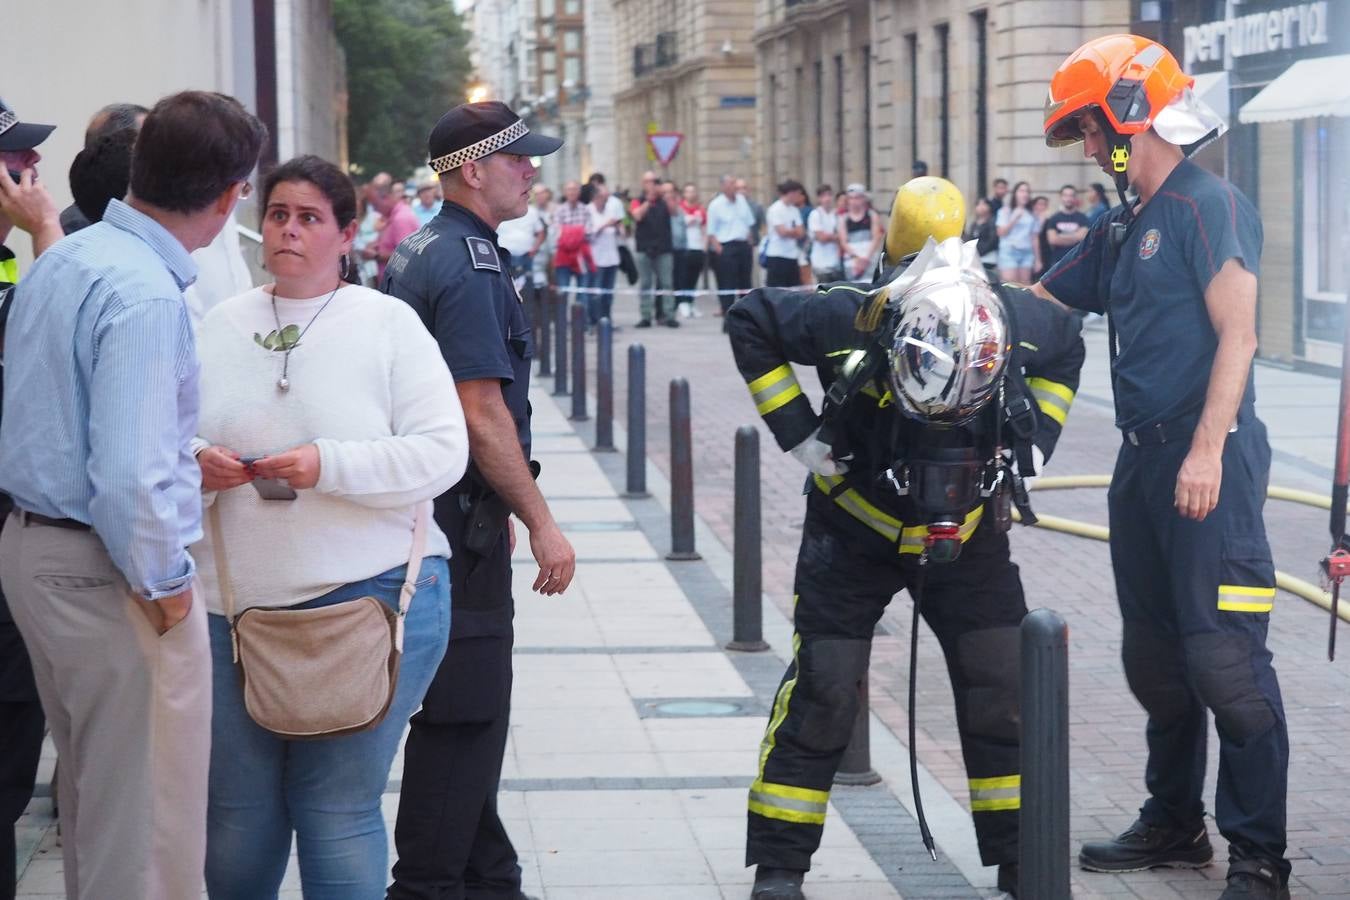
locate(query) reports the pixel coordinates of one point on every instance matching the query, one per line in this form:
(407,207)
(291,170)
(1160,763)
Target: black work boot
(1143,846)
(1253,879)
(1007,879)
(777,884)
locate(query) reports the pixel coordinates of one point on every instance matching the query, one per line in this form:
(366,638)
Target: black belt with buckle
(32,518)
(1170,432)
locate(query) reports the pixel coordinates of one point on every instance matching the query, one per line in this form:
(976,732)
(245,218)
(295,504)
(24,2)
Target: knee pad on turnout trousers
(828,675)
(989,661)
(1155,673)
(1221,669)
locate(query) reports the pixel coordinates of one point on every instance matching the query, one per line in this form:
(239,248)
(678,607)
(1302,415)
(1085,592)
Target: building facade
(279,57)
(686,67)
(1277,71)
(858,90)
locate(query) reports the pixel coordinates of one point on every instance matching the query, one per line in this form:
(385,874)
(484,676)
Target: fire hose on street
(1283,580)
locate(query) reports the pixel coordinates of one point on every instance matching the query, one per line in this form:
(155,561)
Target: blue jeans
(565,276)
(601,306)
(328,791)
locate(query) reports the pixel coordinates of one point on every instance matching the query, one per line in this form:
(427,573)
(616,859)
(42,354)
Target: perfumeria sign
(1300,25)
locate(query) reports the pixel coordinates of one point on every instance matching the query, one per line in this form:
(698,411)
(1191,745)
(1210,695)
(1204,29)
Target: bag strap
(406,592)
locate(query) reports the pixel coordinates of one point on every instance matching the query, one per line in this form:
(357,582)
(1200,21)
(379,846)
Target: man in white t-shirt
(606,225)
(783,222)
(523,237)
(822,226)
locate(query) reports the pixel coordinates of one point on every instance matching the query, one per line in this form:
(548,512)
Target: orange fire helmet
(1135,84)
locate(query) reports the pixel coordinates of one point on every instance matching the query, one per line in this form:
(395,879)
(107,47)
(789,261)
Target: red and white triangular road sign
(665,144)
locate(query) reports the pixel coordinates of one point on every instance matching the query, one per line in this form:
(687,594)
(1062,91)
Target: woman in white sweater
(335,396)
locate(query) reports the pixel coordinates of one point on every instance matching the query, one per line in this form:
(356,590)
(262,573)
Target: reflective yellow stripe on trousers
(996,794)
(1238,598)
(774,389)
(787,803)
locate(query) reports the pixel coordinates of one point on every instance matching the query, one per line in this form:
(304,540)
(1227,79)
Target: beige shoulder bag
(325,672)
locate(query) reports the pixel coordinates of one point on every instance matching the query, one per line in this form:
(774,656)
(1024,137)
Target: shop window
(1326,227)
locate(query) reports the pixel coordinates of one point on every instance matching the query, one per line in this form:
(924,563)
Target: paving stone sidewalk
(634,735)
(1073,576)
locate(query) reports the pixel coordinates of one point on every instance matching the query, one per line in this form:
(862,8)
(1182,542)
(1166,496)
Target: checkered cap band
(514,132)
(7,121)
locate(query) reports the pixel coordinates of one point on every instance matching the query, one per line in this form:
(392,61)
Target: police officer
(932,382)
(25,204)
(1176,273)
(450,840)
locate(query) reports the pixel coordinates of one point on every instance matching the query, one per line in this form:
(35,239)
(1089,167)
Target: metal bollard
(544,309)
(637,422)
(559,343)
(747,577)
(604,386)
(855,768)
(681,473)
(1043,853)
(578,364)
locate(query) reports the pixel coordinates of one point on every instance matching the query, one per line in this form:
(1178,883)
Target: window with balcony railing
(665,49)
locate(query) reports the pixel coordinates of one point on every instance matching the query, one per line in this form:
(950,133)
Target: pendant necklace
(284,383)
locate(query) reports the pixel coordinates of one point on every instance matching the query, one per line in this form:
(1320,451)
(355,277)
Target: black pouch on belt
(485,518)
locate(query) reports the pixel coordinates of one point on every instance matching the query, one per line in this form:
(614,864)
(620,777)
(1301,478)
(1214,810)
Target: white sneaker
(686,310)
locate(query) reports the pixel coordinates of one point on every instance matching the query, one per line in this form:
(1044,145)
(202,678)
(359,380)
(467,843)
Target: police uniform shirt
(1177,243)
(453,273)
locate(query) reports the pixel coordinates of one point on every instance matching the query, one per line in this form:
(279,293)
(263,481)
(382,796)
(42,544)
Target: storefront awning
(1307,89)
(1211,88)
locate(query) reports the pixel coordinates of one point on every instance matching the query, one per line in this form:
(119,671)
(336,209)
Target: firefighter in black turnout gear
(943,391)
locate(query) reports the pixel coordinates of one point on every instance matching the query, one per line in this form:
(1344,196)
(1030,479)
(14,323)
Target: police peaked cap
(474,130)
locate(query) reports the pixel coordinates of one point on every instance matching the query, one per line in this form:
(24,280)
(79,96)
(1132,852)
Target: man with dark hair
(1064,229)
(784,223)
(101,173)
(996,198)
(21,721)
(95,450)
(109,120)
(919,169)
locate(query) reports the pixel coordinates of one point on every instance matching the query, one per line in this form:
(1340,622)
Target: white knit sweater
(369,388)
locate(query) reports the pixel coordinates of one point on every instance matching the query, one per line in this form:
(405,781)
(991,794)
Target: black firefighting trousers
(846,574)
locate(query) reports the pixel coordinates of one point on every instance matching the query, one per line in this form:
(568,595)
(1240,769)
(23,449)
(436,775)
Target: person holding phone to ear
(333,402)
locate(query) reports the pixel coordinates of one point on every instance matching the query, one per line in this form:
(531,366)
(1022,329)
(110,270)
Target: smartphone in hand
(269,488)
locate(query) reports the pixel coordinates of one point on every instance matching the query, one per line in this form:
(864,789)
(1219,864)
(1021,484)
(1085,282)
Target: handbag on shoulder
(324,672)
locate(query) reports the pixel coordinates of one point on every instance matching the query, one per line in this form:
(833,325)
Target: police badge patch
(1149,245)
(483,254)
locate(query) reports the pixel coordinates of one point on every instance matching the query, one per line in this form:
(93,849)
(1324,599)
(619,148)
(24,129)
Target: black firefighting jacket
(772,328)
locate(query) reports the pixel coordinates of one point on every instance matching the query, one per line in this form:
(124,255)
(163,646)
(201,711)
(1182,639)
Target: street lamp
(477,93)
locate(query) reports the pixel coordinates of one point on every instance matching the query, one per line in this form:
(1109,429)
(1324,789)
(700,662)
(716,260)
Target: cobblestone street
(1071,575)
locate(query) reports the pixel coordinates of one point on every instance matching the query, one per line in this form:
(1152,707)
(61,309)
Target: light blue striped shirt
(101,396)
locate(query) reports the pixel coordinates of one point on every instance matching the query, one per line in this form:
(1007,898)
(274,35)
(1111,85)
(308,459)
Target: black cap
(16,135)
(473,130)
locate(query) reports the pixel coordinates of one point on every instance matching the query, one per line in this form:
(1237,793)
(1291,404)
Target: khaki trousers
(130,714)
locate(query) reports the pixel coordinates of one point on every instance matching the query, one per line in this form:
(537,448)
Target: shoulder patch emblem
(1148,247)
(483,254)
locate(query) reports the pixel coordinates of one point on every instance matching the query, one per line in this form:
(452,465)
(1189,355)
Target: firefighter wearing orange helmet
(1174,268)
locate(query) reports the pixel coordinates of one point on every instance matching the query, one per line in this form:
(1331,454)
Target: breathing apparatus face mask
(949,349)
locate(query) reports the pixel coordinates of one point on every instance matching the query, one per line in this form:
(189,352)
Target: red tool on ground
(1336,566)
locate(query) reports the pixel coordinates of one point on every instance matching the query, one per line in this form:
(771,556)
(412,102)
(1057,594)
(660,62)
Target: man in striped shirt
(100,410)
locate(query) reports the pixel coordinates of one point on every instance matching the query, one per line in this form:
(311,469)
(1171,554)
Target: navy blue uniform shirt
(1177,243)
(454,275)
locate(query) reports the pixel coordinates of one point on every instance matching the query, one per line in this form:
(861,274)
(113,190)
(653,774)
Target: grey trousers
(655,274)
(130,714)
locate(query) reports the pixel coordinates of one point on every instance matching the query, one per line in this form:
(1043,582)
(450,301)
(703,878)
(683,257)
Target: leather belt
(1170,432)
(32,518)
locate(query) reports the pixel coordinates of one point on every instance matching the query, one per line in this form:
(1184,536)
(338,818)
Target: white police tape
(695,292)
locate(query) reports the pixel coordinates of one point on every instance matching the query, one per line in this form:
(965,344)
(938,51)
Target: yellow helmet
(924,207)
